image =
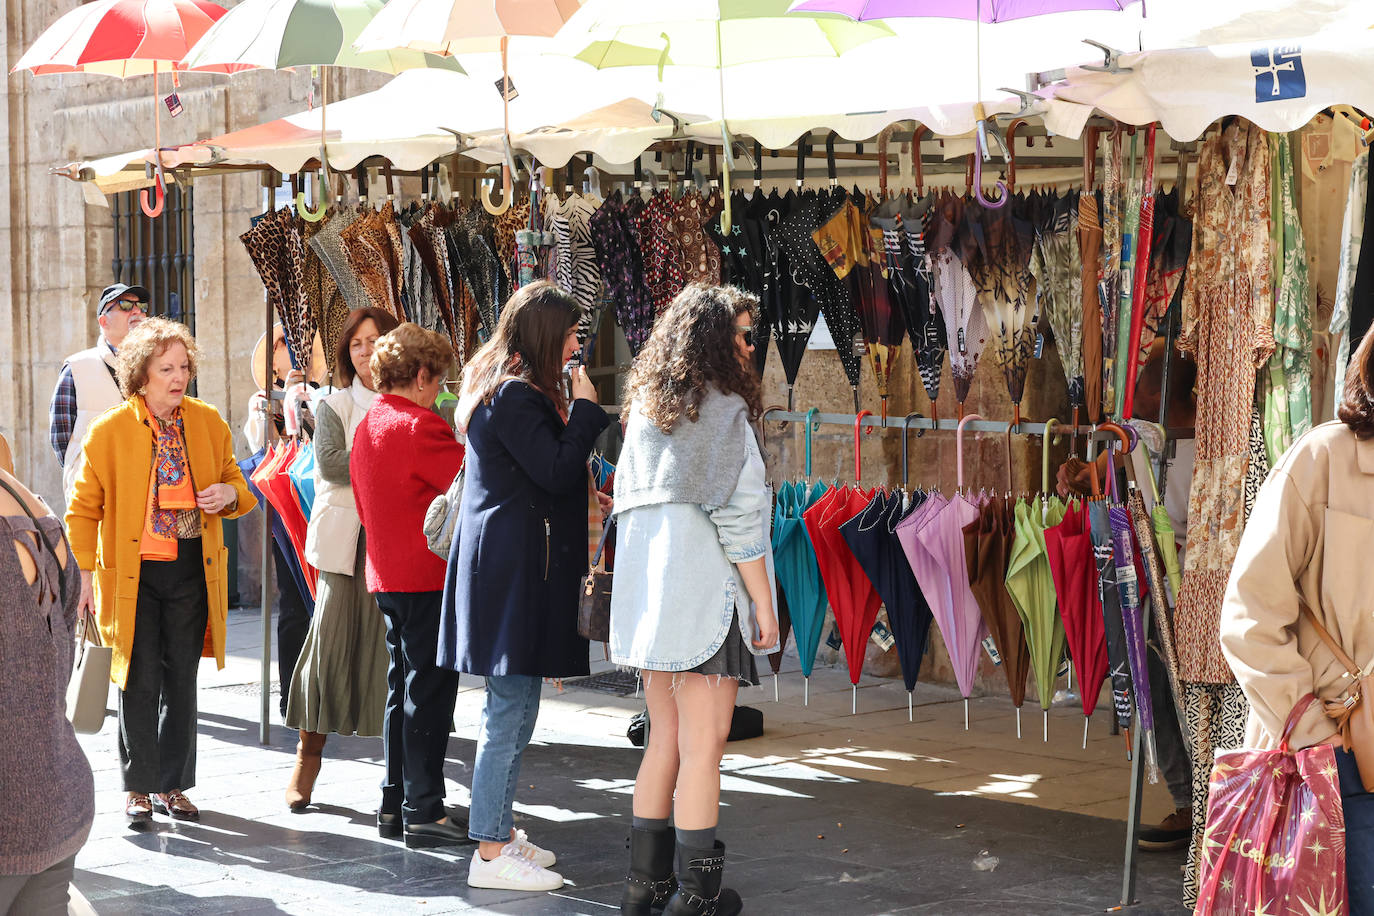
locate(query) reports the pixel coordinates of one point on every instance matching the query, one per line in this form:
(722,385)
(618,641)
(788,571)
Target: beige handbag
(89,688)
(1354,716)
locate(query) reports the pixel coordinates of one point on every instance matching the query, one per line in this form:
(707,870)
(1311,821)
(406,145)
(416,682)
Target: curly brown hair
(401,353)
(150,338)
(692,348)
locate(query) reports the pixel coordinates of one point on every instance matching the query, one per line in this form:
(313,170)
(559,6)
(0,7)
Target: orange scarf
(169,489)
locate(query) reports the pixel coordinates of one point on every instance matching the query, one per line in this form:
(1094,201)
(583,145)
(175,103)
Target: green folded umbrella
(1031,585)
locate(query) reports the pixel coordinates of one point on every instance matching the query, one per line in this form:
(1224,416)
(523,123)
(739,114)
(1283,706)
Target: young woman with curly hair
(693,602)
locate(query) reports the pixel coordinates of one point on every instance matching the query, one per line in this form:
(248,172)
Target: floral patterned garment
(622,272)
(1227,300)
(700,257)
(1288,382)
(659,250)
(1352,239)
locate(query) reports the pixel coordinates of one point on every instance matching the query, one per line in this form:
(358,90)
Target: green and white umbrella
(277,34)
(280,34)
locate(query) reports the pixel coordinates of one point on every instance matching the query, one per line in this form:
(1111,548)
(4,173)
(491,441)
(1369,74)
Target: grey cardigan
(698,462)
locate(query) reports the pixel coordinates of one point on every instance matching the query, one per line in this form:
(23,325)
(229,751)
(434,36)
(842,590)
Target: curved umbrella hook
(507,195)
(1012,128)
(906,428)
(980,153)
(154,210)
(883,137)
(917,171)
(959,445)
(809,427)
(858,460)
(763,422)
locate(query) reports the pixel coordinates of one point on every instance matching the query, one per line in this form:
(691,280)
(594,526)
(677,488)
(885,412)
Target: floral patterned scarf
(169,489)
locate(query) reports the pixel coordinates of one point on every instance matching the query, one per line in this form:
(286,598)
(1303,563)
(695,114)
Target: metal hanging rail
(915,422)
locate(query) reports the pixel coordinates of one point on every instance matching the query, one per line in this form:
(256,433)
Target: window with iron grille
(158,252)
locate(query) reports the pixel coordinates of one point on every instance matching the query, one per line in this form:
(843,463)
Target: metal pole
(264,711)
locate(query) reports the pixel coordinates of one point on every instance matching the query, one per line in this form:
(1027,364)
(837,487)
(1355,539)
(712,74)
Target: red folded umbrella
(1069,545)
(852,596)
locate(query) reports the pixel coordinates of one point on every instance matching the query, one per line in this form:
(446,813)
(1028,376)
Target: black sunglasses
(126,305)
(747,333)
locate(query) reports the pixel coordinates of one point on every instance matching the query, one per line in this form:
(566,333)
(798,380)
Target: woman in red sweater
(404,455)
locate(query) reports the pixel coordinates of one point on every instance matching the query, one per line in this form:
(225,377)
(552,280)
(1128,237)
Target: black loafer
(423,836)
(391,827)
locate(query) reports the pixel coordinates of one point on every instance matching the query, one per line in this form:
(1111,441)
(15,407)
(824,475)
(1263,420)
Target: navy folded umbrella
(872,538)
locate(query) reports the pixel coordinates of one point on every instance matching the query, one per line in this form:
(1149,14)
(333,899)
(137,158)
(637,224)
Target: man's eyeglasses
(126,305)
(747,333)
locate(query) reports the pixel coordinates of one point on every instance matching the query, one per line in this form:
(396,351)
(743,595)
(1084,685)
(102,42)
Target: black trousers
(293,622)
(419,707)
(157,707)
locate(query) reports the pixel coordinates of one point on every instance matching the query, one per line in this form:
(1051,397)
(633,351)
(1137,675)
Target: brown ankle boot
(307,769)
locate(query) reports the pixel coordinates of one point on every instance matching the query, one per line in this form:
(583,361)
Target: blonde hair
(399,355)
(151,338)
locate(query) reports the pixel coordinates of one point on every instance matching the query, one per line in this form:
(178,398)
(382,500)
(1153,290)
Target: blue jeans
(507,723)
(1359,836)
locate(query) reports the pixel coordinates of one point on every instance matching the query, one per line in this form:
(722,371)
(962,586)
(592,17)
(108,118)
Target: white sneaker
(539,856)
(511,871)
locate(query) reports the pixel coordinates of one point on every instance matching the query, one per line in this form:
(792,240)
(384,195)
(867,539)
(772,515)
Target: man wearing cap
(87,387)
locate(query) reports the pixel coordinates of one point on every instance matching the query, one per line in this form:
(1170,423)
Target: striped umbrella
(122,38)
(276,34)
(126,38)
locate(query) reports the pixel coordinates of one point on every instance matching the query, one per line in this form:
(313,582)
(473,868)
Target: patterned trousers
(1213,718)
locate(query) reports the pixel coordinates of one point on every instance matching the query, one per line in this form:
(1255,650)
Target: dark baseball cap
(117,291)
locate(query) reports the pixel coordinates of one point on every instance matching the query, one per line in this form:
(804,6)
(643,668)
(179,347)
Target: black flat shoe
(423,836)
(391,827)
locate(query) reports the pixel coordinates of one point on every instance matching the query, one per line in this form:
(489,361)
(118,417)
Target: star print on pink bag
(1275,837)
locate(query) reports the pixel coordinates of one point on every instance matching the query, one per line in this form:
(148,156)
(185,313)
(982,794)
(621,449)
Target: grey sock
(649,823)
(697,839)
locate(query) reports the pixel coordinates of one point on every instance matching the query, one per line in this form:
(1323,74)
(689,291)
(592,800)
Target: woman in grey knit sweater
(693,600)
(40,831)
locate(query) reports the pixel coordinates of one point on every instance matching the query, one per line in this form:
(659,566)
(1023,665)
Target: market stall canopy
(1278,85)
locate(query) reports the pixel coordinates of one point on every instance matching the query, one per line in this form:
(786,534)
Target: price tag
(882,636)
(173,103)
(1039,345)
(1233,173)
(1063,667)
(963,346)
(505,87)
(990,648)
(833,640)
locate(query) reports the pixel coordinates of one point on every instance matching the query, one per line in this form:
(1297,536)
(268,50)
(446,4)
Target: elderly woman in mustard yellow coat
(145,524)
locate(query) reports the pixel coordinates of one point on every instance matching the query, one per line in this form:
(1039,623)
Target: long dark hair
(1357,405)
(528,345)
(692,348)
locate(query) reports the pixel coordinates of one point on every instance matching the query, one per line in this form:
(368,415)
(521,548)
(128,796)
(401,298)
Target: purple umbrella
(982,10)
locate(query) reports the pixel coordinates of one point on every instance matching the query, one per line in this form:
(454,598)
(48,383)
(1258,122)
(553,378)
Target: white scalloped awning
(1277,85)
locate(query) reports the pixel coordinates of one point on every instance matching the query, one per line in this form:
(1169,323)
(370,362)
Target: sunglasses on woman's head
(747,332)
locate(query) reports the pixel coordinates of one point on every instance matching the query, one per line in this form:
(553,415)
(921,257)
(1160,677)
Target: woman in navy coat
(519,553)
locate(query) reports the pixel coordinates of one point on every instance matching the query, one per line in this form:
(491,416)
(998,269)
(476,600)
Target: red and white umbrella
(126,38)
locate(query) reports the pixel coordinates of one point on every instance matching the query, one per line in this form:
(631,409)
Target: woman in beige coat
(1307,548)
